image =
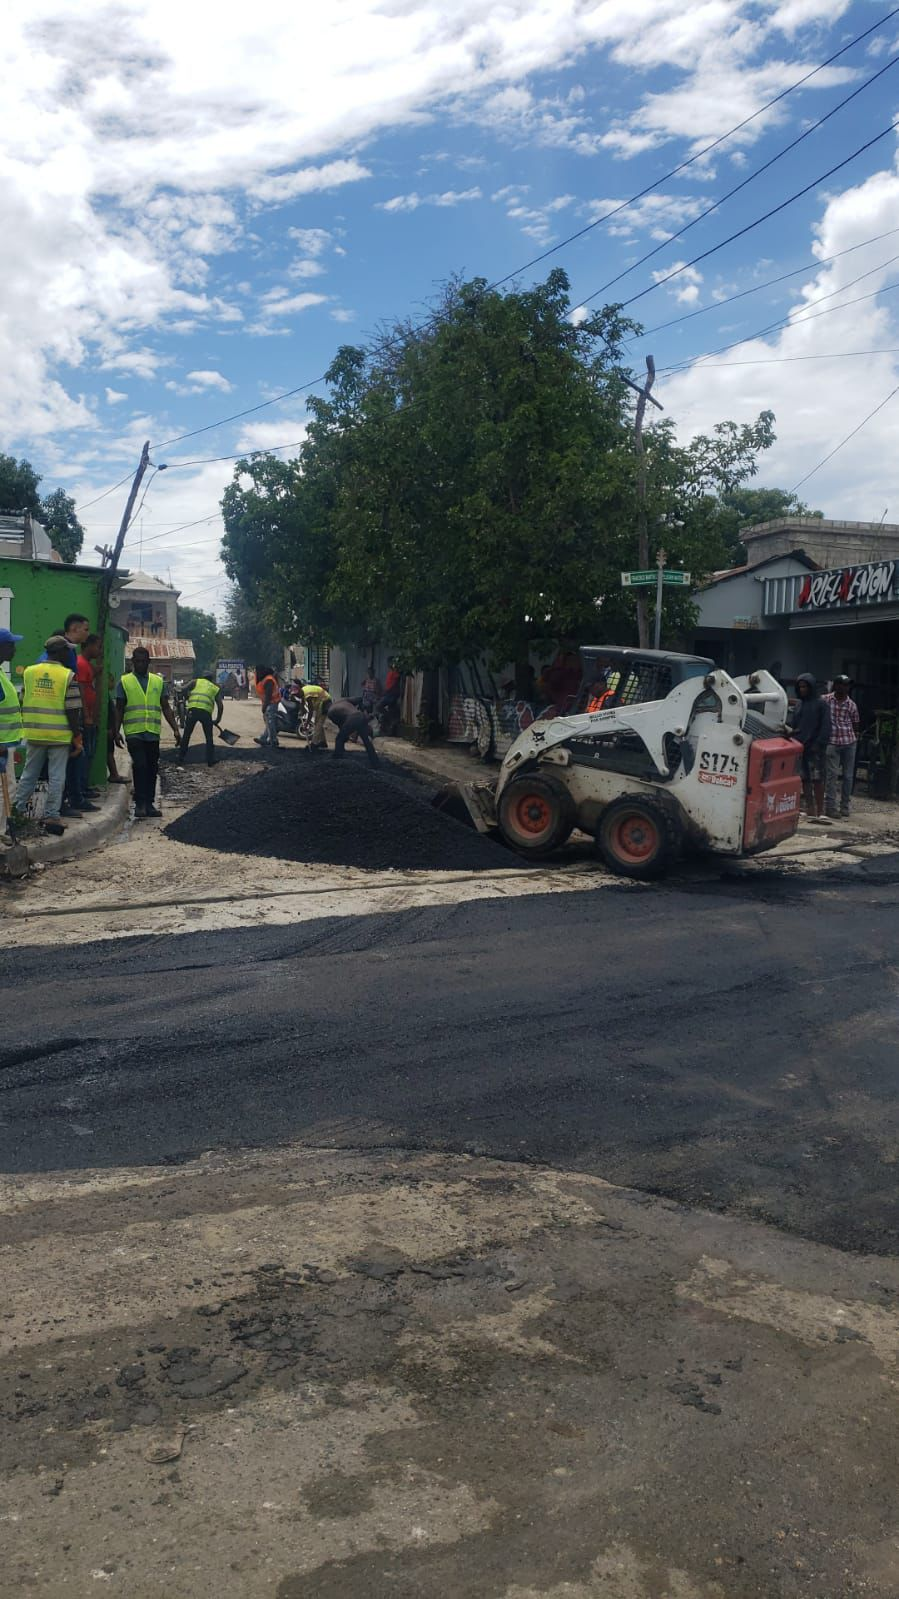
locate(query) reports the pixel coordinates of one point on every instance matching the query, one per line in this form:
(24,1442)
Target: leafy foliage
(469,486)
(66,533)
(247,636)
(19,486)
(201,628)
(743,507)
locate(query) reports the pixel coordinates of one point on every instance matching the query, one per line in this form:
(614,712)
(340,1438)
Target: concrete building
(147,609)
(23,538)
(814,596)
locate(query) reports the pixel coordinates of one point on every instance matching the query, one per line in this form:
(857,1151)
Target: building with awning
(814,595)
(147,609)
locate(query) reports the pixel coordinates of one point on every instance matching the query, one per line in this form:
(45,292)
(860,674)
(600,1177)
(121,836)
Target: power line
(833,355)
(607,216)
(86,507)
(832,453)
(207,460)
(749,226)
(785,323)
(675,171)
(778,156)
(718,305)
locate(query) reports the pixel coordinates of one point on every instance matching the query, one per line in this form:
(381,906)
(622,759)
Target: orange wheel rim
(635,837)
(532,814)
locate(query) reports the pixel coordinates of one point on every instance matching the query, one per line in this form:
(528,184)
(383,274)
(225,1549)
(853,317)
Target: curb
(86,835)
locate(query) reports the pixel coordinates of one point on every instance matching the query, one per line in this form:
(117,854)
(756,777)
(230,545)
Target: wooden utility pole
(111,569)
(643,395)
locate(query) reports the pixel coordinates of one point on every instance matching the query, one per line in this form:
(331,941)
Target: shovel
(14,859)
(228,738)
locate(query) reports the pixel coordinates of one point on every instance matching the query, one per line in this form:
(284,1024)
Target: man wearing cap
(141,703)
(841,748)
(10,713)
(51,717)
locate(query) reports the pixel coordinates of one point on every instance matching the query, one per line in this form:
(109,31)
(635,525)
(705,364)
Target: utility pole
(660,563)
(642,525)
(111,568)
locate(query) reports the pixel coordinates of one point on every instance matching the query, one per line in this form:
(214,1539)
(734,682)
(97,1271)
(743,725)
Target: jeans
(357,726)
(57,758)
(144,754)
(270,736)
(192,720)
(76,780)
(840,772)
(319,736)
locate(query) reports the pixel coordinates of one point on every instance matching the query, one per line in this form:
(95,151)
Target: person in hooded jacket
(810,725)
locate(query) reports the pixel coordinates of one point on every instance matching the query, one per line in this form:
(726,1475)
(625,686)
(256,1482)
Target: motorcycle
(295,716)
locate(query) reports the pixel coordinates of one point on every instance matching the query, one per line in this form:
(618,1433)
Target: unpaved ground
(315,1375)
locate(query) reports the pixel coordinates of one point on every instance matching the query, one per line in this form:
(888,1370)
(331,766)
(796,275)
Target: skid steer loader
(668,754)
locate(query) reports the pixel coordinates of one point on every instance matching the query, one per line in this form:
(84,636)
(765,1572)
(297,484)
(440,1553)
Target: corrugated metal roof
(163,649)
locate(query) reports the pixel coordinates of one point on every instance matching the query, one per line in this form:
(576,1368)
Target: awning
(163,649)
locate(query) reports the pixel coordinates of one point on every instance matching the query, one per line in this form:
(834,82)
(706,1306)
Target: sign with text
(637,580)
(848,585)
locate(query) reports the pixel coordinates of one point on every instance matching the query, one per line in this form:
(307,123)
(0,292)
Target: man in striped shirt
(841,747)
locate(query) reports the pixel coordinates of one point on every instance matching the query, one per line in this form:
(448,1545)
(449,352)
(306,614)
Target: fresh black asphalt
(730,1044)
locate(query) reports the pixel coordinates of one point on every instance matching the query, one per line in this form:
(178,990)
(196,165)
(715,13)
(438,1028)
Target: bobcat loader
(674,755)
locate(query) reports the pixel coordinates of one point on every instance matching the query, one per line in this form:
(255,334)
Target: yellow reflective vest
(44,719)
(203,695)
(143,710)
(10,714)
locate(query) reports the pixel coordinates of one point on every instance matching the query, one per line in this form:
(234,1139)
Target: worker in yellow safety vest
(51,720)
(203,697)
(141,703)
(10,711)
(320,700)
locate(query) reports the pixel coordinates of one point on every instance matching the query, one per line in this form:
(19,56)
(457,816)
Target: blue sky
(198,217)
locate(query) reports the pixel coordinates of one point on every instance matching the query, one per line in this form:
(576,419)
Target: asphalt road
(731,1045)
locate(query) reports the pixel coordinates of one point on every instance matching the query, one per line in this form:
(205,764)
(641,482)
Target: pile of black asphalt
(341,813)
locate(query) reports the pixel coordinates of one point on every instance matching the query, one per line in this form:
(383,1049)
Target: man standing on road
(141,703)
(810,725)
(51,716)
(270,696)
(10,710)
(840,760)
(347,716)
(203,697)
(79,796)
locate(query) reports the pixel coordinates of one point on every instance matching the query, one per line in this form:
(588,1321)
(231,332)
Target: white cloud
(305,269)
(685,287)
(343,314)
(210,380)
(267,435)
(312,241)
(290,304)
(115,396)
(818,401)
(411,202)
(309,180)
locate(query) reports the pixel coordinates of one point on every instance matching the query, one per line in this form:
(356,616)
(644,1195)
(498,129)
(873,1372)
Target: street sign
(645,580)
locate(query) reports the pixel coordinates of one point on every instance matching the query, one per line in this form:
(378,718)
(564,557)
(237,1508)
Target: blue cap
(6,637)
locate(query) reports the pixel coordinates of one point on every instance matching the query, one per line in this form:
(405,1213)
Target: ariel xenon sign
(848,585)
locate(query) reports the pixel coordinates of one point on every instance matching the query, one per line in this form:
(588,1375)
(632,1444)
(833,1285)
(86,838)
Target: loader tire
(637,837)
(536,814)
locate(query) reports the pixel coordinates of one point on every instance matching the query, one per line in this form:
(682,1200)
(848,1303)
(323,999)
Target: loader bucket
(471,803)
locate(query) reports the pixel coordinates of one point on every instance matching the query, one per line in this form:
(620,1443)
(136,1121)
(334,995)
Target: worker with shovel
(11,732)
(203,697)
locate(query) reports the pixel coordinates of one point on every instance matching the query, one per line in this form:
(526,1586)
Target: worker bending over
(349,719)
(203,697)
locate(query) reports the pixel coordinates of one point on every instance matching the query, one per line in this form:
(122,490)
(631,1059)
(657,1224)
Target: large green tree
(19,485)
(742,507)
(469,485)
(66,534)
(247,636)
(202,629)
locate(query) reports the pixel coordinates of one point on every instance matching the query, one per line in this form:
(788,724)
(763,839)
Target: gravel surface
(342,813)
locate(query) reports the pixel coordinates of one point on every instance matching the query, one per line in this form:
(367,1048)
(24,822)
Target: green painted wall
(42,593)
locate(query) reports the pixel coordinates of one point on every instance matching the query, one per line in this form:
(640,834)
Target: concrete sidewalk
(94,828)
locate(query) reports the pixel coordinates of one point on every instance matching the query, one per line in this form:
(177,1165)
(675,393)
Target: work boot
(71,814)
(52,824)
(140,813)
(88,805)
(152,811)
(94,793)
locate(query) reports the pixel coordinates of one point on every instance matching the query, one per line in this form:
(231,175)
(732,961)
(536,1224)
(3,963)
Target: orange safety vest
(276,692)
(599,700)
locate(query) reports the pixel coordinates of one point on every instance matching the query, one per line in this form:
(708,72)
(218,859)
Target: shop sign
(848,585)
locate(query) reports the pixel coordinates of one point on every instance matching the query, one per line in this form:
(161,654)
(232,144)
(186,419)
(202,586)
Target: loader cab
(621,676)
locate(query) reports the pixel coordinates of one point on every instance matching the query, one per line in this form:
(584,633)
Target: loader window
(646,680)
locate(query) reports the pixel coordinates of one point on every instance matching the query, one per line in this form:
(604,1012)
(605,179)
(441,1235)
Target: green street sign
(679,580)
(635,580)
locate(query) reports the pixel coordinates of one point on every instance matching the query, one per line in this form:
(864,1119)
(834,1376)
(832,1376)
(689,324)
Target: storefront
(845,619)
